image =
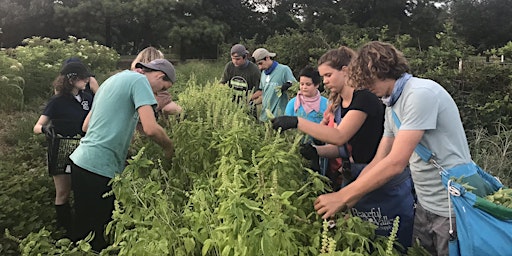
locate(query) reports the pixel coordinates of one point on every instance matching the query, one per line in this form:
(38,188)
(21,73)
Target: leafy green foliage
(506,51)
(297,49)
(492,152)
(11,83)
(42,58)
(26,193)
(234,186)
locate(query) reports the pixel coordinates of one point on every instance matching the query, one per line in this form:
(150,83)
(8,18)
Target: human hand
(308,151)
(286,86)
(329,204)
(285,122)
(48,130)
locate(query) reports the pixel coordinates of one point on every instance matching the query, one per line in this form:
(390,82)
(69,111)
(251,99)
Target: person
(359,116)
(241,74)
(166,105)
(92,86)
(110,126)
(275,80)
(63,116)
(308,103)
(429,116)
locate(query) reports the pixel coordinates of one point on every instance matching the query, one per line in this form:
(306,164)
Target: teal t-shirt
(269,84)
(114,116)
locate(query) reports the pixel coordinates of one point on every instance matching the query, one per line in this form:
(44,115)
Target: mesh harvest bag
(59,149)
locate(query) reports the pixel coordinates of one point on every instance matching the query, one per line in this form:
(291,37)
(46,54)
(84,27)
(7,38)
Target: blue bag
(483,228)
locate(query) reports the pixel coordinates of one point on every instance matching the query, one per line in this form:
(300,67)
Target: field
(234,187)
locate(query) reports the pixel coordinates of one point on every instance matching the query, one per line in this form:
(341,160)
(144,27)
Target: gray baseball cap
(239,50)
(160,65)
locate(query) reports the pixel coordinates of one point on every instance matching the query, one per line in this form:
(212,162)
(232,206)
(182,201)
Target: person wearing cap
(240,73)
(63,116)
(92,86)
(123,99)
(165,104)
(275,80)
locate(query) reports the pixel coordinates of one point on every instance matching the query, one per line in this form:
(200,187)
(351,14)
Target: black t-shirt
(67,113)
(366,140)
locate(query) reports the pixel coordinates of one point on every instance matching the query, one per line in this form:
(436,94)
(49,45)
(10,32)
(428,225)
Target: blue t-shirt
(114,115)
(312,116)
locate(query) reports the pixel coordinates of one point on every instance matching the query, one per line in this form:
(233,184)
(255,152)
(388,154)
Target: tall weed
(493,152)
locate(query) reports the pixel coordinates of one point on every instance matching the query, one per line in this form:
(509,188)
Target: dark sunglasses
(166,78)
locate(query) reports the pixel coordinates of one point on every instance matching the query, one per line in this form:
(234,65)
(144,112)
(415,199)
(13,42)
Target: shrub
(42,59)
(11,83)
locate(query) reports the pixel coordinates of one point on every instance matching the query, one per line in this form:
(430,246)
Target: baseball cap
(262,53)
(72,59)
(75,69)
(160,65)
(239,50)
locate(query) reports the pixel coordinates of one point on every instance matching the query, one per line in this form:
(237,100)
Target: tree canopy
(196,28)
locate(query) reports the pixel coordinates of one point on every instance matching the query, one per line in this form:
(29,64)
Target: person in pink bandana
(308,104)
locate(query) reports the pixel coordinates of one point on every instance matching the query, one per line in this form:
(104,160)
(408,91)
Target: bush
(42,59)
(11,83)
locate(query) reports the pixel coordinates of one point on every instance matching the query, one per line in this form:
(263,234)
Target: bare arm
(93,83)
(43,120)
(373,176)
(329,151)
(153,130)
(340,135)
(85,125)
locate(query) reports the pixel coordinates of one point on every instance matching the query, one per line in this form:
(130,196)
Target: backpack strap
(425,154)
(345,151)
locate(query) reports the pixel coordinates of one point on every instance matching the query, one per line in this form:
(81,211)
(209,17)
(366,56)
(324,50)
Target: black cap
(75,69)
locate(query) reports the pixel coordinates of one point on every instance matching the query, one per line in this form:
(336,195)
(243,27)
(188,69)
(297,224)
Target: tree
(96,20)
(426,19)
(484,24)
(373,13)
(21,19)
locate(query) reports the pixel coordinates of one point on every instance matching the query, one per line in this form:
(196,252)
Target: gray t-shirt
(426,105)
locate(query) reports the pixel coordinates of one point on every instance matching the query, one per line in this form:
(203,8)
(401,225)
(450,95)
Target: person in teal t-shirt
(120,102)
(275,80)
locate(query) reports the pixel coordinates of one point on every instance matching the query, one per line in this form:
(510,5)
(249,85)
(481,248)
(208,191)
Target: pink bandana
(308,103)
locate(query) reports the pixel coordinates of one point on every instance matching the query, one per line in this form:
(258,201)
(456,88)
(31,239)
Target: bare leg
(62,188)
(62,207)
